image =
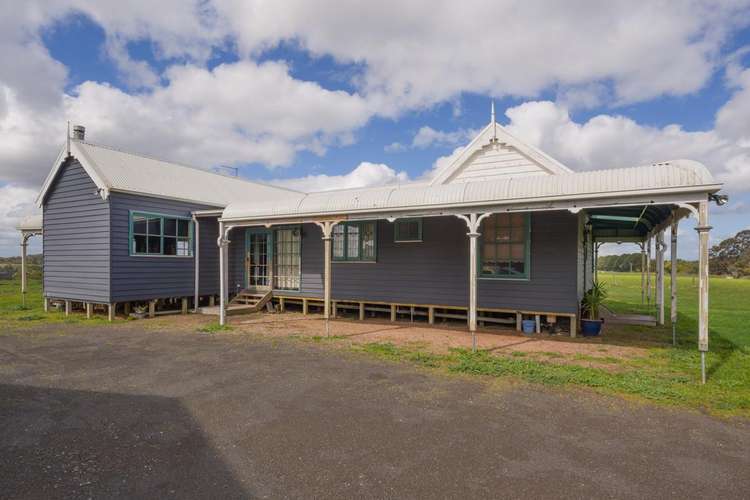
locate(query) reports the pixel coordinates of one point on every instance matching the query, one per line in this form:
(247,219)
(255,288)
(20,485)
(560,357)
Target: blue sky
(330,95)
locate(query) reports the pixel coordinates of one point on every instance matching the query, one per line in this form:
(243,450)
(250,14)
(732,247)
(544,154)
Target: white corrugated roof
(672,176)
(116,170)
(30,223)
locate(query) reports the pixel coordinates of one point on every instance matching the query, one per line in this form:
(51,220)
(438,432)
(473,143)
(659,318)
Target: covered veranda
(637,204)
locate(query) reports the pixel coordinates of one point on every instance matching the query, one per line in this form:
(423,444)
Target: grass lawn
(15,316)
(665,374)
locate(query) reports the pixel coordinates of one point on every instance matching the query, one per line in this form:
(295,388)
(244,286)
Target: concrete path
(121,413)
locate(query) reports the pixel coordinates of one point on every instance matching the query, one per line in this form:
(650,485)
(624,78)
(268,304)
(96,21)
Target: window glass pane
(154,226)
(352,242)
(503,234)
(183,246)
(183,228)
(170,245)
(170,227)
(518,251)
(517,267)
(338,241)
(503,251)
(139,224)
(154,244)
(518,220)
(502,219)
(488,252)
(488,230)
(287,259)
(368,241)
(139,244)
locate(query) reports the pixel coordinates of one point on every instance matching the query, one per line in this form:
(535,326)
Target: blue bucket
(529,325)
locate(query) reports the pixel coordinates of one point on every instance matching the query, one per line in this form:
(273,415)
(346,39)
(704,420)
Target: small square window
(408,230)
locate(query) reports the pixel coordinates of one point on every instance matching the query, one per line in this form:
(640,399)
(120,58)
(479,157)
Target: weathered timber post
(703,229)
(673,284)
(473,222)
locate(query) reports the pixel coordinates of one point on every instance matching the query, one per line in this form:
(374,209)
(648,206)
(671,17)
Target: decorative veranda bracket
(327,228)
(473,222)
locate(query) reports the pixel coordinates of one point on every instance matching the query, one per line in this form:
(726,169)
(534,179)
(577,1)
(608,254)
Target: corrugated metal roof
(672,176)
(116,170)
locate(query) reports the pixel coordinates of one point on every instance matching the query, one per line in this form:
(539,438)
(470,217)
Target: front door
(257,259)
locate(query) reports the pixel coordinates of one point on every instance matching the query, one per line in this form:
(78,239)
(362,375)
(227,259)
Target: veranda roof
(671,177)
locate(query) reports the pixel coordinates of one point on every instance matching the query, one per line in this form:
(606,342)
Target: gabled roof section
(114,170)
(497,154)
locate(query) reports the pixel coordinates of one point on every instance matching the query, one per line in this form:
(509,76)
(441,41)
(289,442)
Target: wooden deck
(628,319)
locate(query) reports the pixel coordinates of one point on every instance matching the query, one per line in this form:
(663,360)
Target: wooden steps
(246,301)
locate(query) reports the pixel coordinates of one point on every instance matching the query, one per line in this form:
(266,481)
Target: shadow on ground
(58,443)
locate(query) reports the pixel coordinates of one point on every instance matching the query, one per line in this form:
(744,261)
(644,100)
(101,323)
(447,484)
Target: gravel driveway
(116,412)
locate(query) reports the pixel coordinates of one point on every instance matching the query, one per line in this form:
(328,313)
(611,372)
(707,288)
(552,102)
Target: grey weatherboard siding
(435,271)
(142,277)
(76,238)
(86,257)
(86,246)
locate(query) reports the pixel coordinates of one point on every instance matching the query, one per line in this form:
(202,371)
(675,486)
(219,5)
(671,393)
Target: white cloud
(15,203)
(607,141)
(232,115)
(366,174)
(431,51)
(427,137)
(441,163)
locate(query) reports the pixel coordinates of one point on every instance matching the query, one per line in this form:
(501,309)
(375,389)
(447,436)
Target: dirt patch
(440,340)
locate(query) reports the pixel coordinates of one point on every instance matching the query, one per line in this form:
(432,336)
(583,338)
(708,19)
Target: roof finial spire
(67,138)
(494,123)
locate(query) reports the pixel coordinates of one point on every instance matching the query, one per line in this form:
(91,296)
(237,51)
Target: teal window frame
(360,246)
(525,231)
(151,215)
(398,222)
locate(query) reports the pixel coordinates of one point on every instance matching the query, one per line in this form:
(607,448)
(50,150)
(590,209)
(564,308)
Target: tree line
(731,257)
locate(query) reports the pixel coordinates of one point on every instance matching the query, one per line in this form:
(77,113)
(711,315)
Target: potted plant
(592,301)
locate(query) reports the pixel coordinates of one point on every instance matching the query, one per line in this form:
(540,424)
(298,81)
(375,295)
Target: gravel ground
(124,412)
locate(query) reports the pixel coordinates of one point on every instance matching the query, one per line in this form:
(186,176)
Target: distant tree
(632,262)
(732,256)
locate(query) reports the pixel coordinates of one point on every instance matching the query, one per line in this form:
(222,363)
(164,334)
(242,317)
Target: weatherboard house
(502,234)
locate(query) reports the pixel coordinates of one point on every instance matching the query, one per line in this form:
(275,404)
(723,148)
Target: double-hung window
(355,241)
(154,234)
(505,246)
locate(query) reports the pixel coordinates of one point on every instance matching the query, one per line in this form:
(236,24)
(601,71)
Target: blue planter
(591,327)
(528,326)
